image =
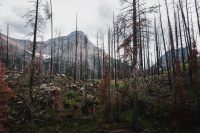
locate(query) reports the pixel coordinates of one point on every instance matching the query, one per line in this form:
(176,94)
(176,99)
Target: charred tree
(7,49)
(171,39)
(51,60)
(32,67)
(75,67)
(157,48)
(86,57)
(181,41)
(165,49)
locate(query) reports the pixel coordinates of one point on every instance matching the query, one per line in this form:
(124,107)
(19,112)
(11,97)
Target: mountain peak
(79,32)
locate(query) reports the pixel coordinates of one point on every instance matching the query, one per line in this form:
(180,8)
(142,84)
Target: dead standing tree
(134,26)
(51,17)
(37,20)
(130,8)
(76,50)
(7,47)
(165,49)
(86,57)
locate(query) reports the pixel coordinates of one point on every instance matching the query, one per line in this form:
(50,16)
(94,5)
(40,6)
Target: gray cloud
(17,25)
(104,11)
(93,15)
(19,11)
(20,27)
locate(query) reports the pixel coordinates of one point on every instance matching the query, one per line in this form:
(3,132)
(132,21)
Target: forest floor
(114,128)
(61,106)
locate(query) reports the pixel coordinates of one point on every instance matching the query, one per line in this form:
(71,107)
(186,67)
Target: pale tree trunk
(86,58)
(171,39)
(157,50)
(165,49)
(7,51)
(51,60)
(181,41)
(197,13)
(135,121)
(32,65)
(75,67)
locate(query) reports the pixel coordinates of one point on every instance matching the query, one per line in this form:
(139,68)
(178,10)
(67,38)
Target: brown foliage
(5,95)
(105,96)
(104,85)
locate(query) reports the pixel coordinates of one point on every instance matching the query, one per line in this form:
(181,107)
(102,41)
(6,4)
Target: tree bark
(32,65)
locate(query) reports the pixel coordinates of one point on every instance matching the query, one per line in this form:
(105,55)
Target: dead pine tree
(148,51)
(166,56)
(177,63)
(140,39)
(186,31)
(7,47)
(81,58)
(130,14)
(32,67)
(171,39)
(133,39)
(62,57)
(36,21)
(94,64)
(109,65)
(24,63)
(114,62)
(102,54)
(86,57)
(51,60)
(116,43)
(187,35)
(181,41)
(157,48)
(59,45)
(117,67)
(135,121)
(1,48)
(114,49)
(188,25)
(68,62)
(112,53)
(75,67)
(99,61)
(104,92)
(197,14)
(49,13)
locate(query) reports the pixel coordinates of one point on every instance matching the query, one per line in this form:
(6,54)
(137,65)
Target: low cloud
(93,15)
(105,10)
(19,11)
(17,25)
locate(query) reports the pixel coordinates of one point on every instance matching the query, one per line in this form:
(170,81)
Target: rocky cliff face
(162,59)
(63,49)
(15,52)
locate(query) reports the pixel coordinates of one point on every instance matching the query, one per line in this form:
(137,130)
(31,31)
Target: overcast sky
(93,15)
